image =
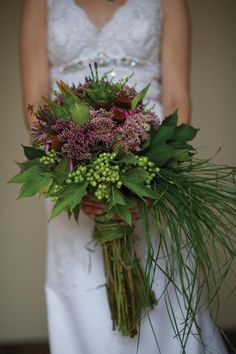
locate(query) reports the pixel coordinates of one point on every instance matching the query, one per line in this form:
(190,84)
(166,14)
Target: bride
(151,39)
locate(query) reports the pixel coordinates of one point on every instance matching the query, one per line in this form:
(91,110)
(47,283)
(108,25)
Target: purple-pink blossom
(104,132)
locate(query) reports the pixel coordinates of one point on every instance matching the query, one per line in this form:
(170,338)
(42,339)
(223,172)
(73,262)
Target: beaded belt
(102,60)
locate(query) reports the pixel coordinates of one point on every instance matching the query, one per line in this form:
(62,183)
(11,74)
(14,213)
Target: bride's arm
(33,54)
(175,58)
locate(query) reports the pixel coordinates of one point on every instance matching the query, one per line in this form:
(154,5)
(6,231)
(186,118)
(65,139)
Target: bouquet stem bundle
(128,289)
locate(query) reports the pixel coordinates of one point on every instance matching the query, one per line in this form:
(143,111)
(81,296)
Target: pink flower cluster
(104,131)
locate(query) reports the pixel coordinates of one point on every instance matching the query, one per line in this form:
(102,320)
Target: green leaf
(70,196)
(146,143)
(27,164)
(59,111)
(76,212)
(171,120)
(37,185)
(135,182)
(130,159)
(137,175)
(32,153)
(182,145)
(69,101)
(34,180)
(182,155)
(24,176)
(117,197)
(184,132)
(139,189)
(161,135)
(124,213)
(110,212)
(139,97)
(61,171)
(161,154)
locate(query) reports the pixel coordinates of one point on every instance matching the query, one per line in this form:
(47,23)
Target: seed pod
(56,143)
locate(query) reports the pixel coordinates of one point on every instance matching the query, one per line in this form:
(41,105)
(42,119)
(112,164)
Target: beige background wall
(23,225)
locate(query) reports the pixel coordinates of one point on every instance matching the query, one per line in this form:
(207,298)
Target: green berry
(119,184)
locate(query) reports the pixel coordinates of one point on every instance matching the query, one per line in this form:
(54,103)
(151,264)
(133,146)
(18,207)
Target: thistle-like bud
(80,113)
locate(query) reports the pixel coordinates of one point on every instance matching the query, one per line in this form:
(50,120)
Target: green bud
(80,113)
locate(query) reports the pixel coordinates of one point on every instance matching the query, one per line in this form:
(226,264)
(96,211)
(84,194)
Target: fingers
(95,208)
(87,201)
(92,211)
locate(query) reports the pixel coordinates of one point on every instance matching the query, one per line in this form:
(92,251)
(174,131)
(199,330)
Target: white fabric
(79,319)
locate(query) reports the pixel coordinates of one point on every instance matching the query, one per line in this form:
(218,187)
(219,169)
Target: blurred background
(23,223)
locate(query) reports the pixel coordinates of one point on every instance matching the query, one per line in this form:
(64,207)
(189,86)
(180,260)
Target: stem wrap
(110,230)
(128,289)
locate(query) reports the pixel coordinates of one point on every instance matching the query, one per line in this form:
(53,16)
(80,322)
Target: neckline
(107,23)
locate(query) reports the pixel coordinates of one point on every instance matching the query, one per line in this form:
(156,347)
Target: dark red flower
(102,104)
(123,101)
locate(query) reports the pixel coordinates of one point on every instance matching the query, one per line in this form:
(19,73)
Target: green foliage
(34,180)
(32,153)
(116,196)
(129,159)
(195,218)
(28,163)
(61,172)
(139,97)
(69,101)
(124,213)
(168,143)
(134,181)
(76,212)
(162,154)
(69,197)
(171,120)
(59,111)
(184,132)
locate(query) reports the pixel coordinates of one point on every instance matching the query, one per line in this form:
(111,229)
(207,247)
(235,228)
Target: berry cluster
(102,172)
(50,159)
(148,166)
(79,175)
(55,190)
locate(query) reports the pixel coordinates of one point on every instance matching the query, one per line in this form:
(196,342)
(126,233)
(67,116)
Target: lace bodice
(128,43)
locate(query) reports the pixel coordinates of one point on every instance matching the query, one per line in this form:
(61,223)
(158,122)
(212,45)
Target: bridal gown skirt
(79,318)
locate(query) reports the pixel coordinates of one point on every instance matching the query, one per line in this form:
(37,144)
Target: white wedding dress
(79,318)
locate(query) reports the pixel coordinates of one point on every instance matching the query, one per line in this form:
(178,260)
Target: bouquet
(100,138)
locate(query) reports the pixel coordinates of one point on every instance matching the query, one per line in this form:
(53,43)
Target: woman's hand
(91,207)
(94,208)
